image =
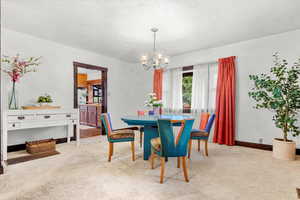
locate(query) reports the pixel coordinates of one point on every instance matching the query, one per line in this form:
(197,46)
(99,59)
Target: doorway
(90,97)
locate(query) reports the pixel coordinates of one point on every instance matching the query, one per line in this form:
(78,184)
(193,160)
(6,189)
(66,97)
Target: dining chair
(203,121)
(117,135)
(201,135)
(141,128)
(166,146)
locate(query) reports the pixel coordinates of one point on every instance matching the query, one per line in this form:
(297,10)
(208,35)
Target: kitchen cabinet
(82,80)
(83,114)
(90,115)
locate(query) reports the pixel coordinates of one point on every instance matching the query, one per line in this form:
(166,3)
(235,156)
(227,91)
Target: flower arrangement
(153,101)
(17,67)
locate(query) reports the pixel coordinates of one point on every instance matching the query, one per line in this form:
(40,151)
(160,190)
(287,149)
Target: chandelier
(154,60)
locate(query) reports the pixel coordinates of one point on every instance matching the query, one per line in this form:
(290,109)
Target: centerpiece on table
(154,103)
(45,100)
(17,67)
(279,92)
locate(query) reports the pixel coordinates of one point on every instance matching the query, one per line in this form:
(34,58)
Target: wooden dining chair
(202,135)
(117,135)
(203,121)
(165,145)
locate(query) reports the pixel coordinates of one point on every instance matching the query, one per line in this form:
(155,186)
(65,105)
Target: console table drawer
(12,126)
(16,118)
(51,117)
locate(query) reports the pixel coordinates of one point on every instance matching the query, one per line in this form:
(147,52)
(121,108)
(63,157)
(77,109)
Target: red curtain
(225,102)
(157,82)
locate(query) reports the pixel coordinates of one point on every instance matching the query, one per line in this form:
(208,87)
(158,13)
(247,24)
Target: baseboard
(1,169)
(26,158)
(19,147)
(266,147)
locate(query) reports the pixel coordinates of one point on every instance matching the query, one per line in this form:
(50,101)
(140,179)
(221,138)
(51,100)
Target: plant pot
(284,150)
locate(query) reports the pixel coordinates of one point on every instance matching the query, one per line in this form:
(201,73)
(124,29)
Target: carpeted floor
(84,173)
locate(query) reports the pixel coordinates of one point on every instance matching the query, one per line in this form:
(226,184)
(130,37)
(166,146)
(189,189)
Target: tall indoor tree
(279,92)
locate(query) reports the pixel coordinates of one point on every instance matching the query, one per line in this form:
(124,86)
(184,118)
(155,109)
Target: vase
(150,112)
(13,100)
(156,110)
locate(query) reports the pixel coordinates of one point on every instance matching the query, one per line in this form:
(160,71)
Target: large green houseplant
(279,92)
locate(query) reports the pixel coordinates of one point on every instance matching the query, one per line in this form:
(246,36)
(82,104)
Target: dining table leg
(150,132)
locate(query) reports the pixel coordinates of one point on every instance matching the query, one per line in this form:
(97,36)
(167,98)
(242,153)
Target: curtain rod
(204,63)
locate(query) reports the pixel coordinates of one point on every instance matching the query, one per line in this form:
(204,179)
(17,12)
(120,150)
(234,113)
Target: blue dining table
(149,122)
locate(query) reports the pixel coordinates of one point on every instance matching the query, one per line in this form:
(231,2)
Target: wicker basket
(40,146)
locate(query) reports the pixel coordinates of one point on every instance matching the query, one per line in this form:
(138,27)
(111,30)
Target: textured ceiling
(120,28)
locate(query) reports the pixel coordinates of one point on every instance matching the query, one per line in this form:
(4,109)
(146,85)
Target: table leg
(149,133)
(4,141)
(70,128)
(77,133)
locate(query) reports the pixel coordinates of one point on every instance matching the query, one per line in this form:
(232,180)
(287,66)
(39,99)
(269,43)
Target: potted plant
(154,103)
(44,100)
(279,92)
(17,67)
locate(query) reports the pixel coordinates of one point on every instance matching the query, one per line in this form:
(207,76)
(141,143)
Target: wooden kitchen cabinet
(82,80)
(83,114)
(90,115)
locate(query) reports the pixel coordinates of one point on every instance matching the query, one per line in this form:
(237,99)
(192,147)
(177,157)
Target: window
(190,89)
(204,87)
(187,81)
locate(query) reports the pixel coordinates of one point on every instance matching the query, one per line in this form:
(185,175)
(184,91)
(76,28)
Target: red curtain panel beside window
(157,82)
(225,102)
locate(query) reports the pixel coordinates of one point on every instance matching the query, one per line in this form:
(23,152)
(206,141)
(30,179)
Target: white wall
(126,88)
(253,57)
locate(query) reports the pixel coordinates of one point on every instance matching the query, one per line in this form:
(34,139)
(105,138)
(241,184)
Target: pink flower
(17,67)
(22,63)
(15,76)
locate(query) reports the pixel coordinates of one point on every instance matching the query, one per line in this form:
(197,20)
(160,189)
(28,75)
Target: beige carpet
(84,173)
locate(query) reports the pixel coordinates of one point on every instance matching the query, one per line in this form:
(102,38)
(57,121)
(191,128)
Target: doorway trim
(103,70)
(1,127)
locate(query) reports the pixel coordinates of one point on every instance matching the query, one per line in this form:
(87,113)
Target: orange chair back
(141,112)
(203,120)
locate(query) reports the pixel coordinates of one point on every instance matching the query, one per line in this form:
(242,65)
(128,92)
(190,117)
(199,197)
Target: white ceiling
(120,28)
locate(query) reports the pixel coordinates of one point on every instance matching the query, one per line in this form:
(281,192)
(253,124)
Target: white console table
(26,119)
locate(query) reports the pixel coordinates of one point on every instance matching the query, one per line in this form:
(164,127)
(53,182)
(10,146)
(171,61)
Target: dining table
(149,122)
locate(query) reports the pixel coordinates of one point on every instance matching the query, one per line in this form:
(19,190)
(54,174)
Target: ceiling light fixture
(154,60)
